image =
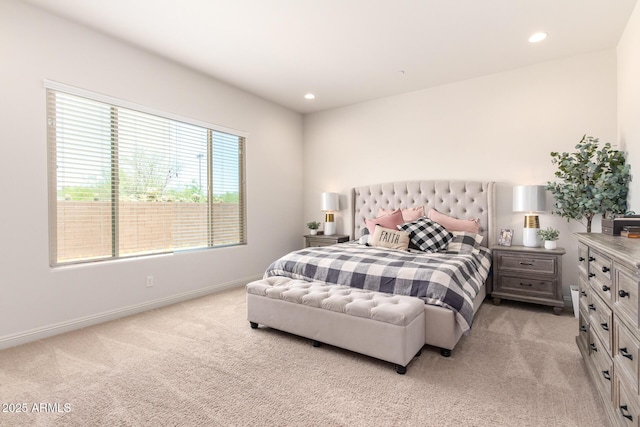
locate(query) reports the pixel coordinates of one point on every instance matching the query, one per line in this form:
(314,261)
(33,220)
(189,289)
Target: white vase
(550,244)
(313,232)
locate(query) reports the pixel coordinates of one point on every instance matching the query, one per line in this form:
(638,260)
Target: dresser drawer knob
(526,284)
(605,288)
(592,275)
(606,375)
(623,351)
(625,412)
(529,264)
(591,259)
(592,307)
(583,328)
(581,258)
(605,269)
(604,326)
(593,347)
(583,293)
(623,293)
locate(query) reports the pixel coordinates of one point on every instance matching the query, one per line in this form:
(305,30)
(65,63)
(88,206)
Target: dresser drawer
(626,295)
(583,328)
(626,351)
(600,320)
(626,404)
(604,367)
(527,263)
(526,286)
(600,275)
(583,259)
(584,291)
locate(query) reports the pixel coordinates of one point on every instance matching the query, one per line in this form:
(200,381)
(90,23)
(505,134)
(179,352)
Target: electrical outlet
(149,281)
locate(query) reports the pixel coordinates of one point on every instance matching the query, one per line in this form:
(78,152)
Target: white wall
(501,127)
(36,299)
(629,101)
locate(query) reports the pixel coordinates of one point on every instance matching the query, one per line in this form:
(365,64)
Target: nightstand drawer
(526,286)
(324,240)
(527,263)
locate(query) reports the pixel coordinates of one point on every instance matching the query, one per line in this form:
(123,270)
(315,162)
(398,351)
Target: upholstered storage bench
(387,327)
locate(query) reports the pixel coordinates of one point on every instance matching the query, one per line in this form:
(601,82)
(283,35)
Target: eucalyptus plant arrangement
(550,234)
(313,225)
(592,181)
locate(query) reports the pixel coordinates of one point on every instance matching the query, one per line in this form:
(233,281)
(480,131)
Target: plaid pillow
(464,243)
(427,235)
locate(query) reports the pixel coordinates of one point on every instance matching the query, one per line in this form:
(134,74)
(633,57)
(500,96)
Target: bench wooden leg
(445,352)
(401,369)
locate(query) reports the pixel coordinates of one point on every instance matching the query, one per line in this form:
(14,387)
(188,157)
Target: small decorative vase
(550,244)
(313,232)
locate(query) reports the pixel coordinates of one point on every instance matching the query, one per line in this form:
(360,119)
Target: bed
(451,289)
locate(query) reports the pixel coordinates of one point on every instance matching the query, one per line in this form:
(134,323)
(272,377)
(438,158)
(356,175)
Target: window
(125,182)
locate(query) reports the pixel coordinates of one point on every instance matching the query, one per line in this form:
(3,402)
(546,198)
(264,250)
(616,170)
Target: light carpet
(199,363)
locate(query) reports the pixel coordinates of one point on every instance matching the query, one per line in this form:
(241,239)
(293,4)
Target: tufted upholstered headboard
(459,199)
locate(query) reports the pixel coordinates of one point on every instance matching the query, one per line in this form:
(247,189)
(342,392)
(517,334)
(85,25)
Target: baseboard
(71,325)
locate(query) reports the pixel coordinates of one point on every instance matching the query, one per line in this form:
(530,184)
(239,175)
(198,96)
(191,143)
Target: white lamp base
(329,228)
(530,237)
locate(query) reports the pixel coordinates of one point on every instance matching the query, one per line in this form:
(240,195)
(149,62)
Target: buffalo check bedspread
(446,280)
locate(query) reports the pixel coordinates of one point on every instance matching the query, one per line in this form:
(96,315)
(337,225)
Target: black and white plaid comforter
(450,281)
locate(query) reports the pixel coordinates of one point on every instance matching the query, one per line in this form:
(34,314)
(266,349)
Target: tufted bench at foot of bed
(387,327)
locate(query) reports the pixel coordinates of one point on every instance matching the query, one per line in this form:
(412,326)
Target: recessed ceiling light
(537,37)
(309,96)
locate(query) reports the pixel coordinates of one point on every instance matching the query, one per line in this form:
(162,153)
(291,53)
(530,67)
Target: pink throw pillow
(408,214)
(388,221)
(454,224)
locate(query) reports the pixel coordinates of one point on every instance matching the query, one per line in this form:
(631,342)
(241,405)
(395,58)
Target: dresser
(609,334)
(528,274)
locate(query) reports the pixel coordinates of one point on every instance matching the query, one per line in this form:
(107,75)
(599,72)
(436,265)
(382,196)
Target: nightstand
(322,240)
(528,274)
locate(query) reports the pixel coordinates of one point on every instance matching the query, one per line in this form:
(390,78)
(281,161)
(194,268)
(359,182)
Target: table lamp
(329,205)
(532,200)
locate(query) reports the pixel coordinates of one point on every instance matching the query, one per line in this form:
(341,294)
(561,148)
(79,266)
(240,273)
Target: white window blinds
(128,183)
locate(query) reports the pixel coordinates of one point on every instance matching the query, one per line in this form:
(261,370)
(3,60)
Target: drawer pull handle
(583,328)
(583,293)
(605,269)
(605,288)
(623,409)
(604,326)
(526,263)
(592,307)
(623,351)
(592,275)
(623,294)
(581,258)
(526,284)
(593,347)
(606,375)
(591,259)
